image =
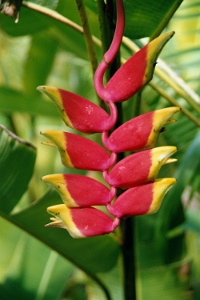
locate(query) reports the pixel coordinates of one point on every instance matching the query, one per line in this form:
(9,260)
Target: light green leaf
(17,101)
(161,283)
(192,221)
(34,272)
(47,3)
(40,59)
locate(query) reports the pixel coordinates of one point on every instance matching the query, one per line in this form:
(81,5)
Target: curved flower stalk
(136,173)
(132,75)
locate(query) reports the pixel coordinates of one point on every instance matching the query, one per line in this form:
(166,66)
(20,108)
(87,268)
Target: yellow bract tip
(161,187)
(58,139)
(58,182)
(55,95)
(159,157)
(63,217)
(160,118)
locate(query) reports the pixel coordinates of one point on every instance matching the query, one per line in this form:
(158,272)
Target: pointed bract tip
(160,156)
(40,88)
(50,91)
(57,138)
(163,153)
(54,178)
(47,89)
(162,116)
(154,48)
(161,187)
(62,218)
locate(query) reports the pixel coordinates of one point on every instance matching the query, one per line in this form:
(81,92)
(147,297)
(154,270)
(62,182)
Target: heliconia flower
(79,152)
(139,167)
(81,222)
(78,190)
(79,113)
(132,75)
(140,132)
(142,199)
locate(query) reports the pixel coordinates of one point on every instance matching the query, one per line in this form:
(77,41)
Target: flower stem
(127,230)
(87,34)
(126,226)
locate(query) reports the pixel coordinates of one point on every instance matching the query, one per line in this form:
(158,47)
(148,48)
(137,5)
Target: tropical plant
(61,43)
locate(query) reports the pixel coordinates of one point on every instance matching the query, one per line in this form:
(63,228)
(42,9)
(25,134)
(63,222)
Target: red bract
(137,172)
(80,113)
(132,75)
(140,132)
(139,168)
(82,222)
(142,199)
(79,152)
(78,190)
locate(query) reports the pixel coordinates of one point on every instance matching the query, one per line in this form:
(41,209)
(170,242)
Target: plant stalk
(87,35)
(128,255)
(126,226)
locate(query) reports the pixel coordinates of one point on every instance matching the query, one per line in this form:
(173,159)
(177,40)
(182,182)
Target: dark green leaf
(97,254)
(17,159)
(172,214)
(145,17)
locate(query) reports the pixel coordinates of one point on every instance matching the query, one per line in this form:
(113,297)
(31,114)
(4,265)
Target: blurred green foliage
(40,263)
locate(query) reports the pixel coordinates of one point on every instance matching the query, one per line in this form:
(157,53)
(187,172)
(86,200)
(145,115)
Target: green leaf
(192,221)
(47,3)
(171,214)
(17,159)
(144,18)
(162,283)
(17,101)
(155,280)
(34,272)
(30,22)
(97,254)
(39,61)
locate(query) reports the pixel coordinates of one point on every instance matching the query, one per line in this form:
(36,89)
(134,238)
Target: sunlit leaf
(35,272)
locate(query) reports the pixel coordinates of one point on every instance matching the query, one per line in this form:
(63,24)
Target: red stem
(110,55)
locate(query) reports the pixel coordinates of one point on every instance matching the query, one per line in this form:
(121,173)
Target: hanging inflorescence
(135,174)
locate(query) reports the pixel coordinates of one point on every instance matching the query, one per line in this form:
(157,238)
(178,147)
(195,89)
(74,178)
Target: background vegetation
(39,263)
